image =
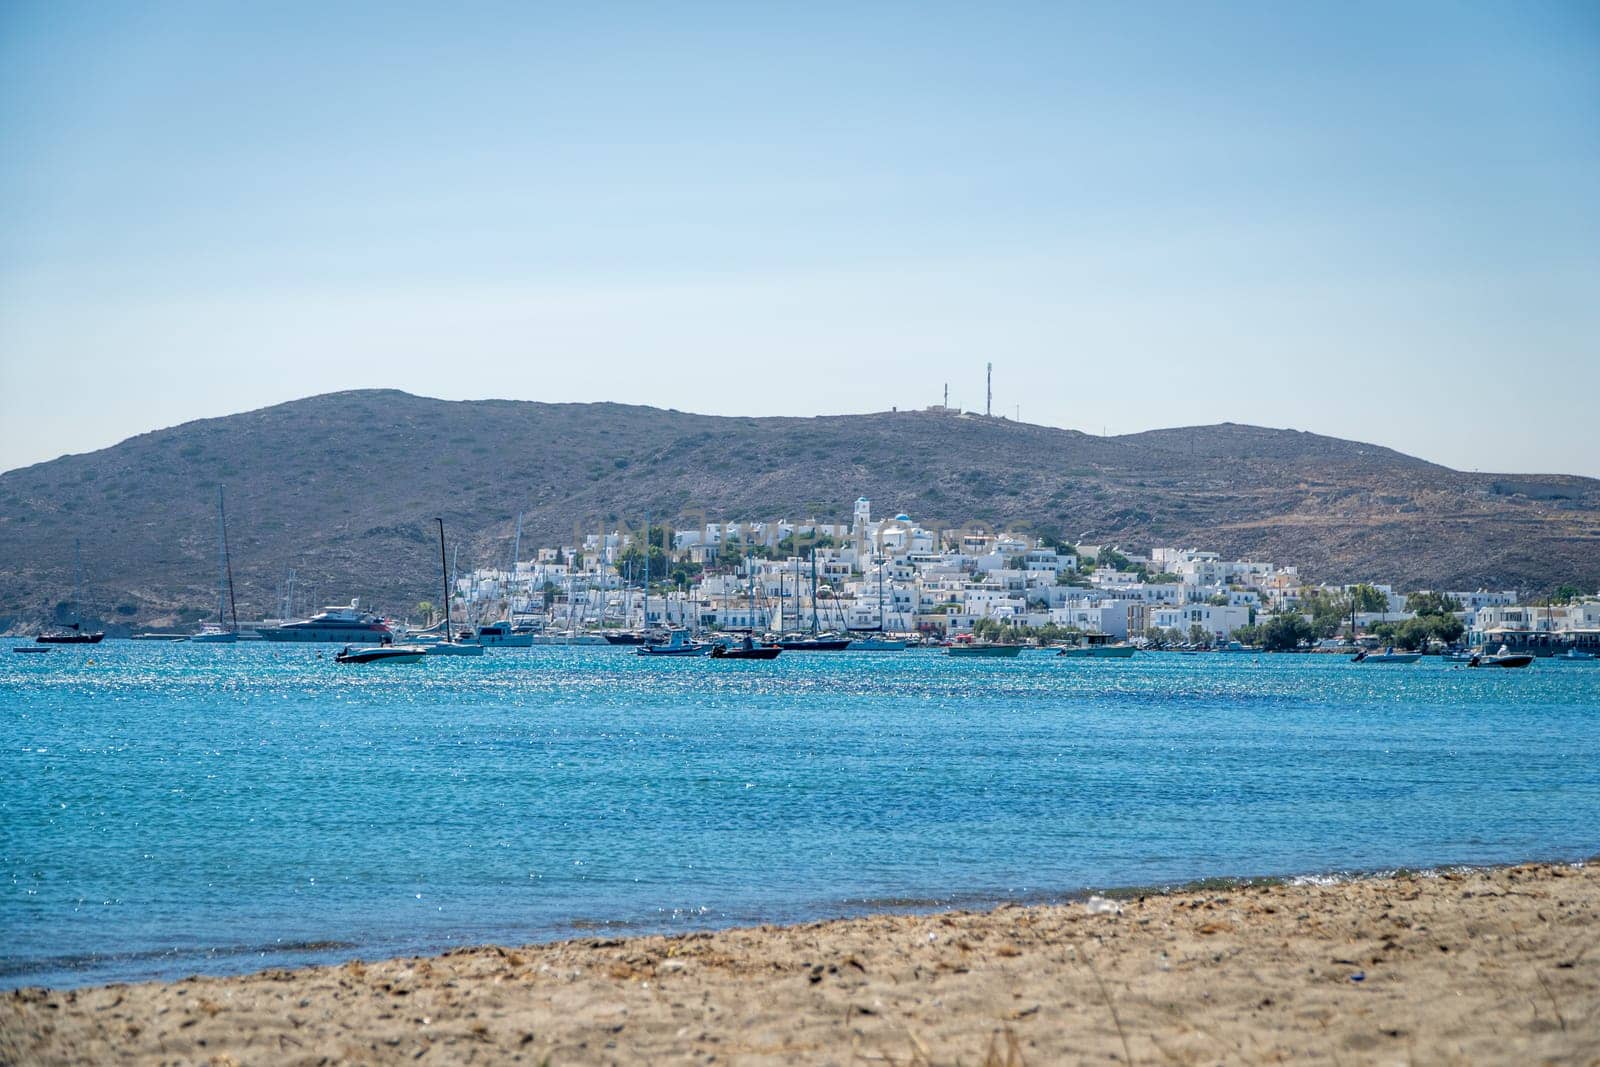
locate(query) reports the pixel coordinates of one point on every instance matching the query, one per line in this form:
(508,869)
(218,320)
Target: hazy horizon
(1373,222)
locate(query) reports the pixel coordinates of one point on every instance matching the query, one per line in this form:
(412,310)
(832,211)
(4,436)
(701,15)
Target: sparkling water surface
(169,809)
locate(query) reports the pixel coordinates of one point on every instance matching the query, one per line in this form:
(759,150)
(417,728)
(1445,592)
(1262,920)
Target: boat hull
(762,652)
(984,651)
(1521,659)
(1099,652)
(821,645)
(326,635)
(382,654)
(454,648)
(70,639)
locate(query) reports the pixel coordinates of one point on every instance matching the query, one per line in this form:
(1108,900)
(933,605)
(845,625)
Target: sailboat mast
(511,572)
(222,569)
(881,627)
(227,561)
(77,581)
(644,618)
(444,577)
(814,589)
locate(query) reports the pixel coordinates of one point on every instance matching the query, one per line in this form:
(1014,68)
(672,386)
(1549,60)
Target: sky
(1378,221)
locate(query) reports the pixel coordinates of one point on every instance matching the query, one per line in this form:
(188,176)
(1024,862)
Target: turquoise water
(173,809)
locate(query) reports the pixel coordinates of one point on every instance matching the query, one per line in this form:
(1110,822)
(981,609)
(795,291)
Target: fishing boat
(983,649)
(1098,646)
(678,644)
(73,633)
(746,649)
(219,632)
(380,654)
(1503,658)
(334,624)
(1388,655)
(1575,653)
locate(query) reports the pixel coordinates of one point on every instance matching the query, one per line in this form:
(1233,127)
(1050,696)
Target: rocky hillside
(344,488)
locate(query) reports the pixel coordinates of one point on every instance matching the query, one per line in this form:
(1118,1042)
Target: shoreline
(294,953)
(1450,964)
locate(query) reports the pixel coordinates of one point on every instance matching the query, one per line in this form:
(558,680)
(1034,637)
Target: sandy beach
(1492,966)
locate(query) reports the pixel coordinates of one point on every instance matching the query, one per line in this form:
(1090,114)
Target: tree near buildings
(1285,633)
(1431,603)
(1368,598)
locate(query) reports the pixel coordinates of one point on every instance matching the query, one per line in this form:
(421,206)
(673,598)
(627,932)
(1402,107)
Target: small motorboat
(1576,653)
(679,644)
(380,654)
(35,649)
(746,649)
(984,650)
(1388,655)
(1503,658)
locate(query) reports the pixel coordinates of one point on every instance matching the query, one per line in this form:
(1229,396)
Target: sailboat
(813,641)
(449,647)
(879,643)
(219,633)
(73,632)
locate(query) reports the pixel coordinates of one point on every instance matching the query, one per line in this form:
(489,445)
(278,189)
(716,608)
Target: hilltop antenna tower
(946,394)
(988,401)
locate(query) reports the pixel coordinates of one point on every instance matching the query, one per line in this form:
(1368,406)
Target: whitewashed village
(893,576)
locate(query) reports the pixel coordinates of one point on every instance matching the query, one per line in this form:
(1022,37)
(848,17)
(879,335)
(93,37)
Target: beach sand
(1491,966)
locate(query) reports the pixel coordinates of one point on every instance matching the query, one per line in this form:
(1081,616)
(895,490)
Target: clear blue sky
(1378,221)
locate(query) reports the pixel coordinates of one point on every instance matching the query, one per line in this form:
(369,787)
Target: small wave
(87,961)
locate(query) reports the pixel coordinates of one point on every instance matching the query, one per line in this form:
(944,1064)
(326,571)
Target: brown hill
(344,487)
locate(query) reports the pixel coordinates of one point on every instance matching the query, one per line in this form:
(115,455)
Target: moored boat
(679,644)
(1388,655)
(334,624)
(746,649)
(71,634)
(983,649)
(219,632)
(1503,658)
(813,643)
(1098,646)
(877,644)
(502,634)
(380,654)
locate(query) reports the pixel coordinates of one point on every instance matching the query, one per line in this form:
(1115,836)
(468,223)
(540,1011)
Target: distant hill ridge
(343,487)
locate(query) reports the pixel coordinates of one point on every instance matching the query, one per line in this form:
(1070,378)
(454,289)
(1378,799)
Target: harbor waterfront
(176,808)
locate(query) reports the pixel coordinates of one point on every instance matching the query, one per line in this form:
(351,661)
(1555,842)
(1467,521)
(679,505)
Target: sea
(177,809)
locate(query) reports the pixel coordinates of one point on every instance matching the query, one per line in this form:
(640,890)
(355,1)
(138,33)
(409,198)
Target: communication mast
(988,402)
